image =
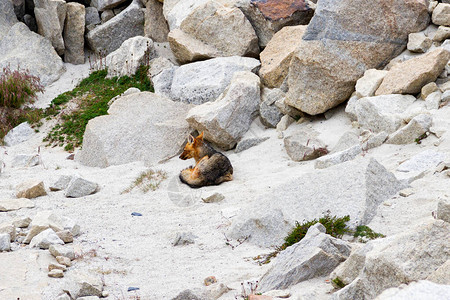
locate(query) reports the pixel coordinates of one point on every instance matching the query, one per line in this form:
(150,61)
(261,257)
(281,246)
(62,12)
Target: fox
(211,167)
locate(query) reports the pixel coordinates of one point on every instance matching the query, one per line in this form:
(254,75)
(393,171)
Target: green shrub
(18,87)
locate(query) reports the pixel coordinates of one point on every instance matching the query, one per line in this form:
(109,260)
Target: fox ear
(191,139)
(200,136)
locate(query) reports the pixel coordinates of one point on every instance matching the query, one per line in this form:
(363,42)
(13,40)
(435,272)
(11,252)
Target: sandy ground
(128,251)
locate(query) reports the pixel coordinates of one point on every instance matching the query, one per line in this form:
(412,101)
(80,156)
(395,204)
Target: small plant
(146,181)
(365,232)
(18,87)
(339,283)
(420,138)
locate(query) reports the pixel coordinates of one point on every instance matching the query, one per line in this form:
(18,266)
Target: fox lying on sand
(211,166)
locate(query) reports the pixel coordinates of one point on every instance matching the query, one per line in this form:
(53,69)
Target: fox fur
(211,167)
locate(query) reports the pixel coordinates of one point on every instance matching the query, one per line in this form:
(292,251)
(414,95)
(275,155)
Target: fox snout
(184,155)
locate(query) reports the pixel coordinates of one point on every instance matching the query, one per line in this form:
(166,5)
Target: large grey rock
(417,290)
(113,139)
(423,161)
(441,14)
(5,244)
(50,16)
(79,187)
(44,239)
(304,145)
(15,204)
(369,83)
(133,53)
(225,22)
(335,51)
(410,76)
(204,81)
(269,16)
(175,11)
(413,130)
(277,55)
(109,36)
(42,221)
(74,33)
(30,189)
(402,258)
(382,113)
(18,134)
(155,26)
(7,17)
(317,254)
(21,47)
(354,188)
(226,120)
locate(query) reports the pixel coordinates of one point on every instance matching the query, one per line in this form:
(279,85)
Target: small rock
(418,42)
(441,14)
(442,167)
(187,294)
(184,238)
(63,297)
(71,225)
(61,183)
(5,243)
(46,238)
(412,131)
(374,140)
(214,198)
(30,189)
(22,222)
(9,229)
(428,89)
(443,210)
(433,100)
(15,204)
(65,235)
(65,261)
(407,192)
(284,123)
(369,83)
(18,134)
(59,250)
(338,157)
(84,284)
(79,187)
(136,214)
(347,140)
(56,273)
(441,34)
(105,294)
(303,146)
(210,280)
(25,160)
(249,143)
(132,288)
(56,267)
(42,221)
(446,96)
(422,161)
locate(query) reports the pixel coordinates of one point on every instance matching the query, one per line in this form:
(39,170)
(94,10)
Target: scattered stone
(61,184)
(441,14)
(60,250)
(25,160)
(18,134)
(9,229)
(42,221)
(92,16)
(317,254)
(427,89)
(44,239)
(210,280)
(277,55)
(65,235)
(113,139)
(443,210)
(19,48)
(282,106)
(418,42)
(109,36)
(337,157)
(416,290)
(183,239)
(30,189)
(79,187)
(50,16)
(246,144)
(406,192)
(423,161)
(410,76)
(284,123)
(65,261)
(433,100)
(412,131)
(346,141)
(5,244)
(56,267)
(369,83)
(269,113)
(71,225)
(74,33)
(204,81)
(55,273)
(403,258)
(132,54)
(226,120)
(136,214)
(446,96)
(214,198)
(15,204)
(382,113)
(22,222)
(304,145)
(155,26)
(84,284)
(441,34)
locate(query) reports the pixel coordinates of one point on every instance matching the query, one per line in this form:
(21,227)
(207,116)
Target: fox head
(191,149)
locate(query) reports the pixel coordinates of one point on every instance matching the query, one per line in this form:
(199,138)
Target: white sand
(137,251)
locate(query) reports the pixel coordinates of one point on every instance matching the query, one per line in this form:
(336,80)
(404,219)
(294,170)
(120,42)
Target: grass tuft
(146,181)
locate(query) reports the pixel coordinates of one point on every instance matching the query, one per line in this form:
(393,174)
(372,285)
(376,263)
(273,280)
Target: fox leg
(193,176)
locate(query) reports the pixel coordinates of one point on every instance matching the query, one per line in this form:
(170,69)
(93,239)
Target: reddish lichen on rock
(279,9)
